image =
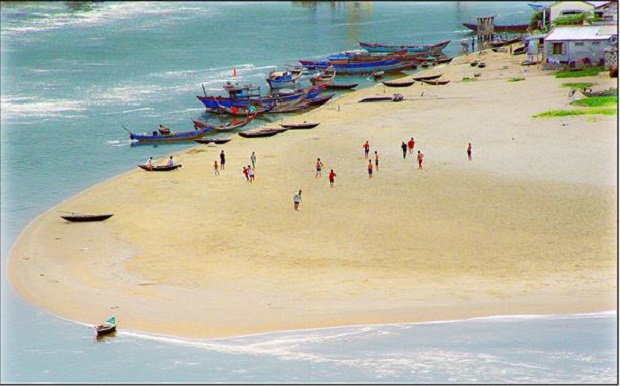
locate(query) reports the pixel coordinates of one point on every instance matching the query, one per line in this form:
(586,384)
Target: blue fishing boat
(410,48)
(169,136)
(348,67)
(243,96)
(283,79)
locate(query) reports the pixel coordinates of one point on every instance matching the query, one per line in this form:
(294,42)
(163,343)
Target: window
(596,43)
(557,48)
(578,44)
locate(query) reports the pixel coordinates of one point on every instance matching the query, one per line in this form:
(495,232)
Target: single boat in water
(283,79)
(180,136)
(325,77)
(410,48)
(106,328)
(160,168)
(86,217)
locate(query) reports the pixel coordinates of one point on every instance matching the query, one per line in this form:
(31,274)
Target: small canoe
(106,328)
(217,141)
(436,82)
(481,65)
(261,133)
(398,84)
(160,168)
(429,77)
(86,217)
(378,74)
(308,125)
(347,86)
(320,100)
(395,98)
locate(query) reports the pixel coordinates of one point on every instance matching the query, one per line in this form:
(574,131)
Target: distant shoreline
(527,227)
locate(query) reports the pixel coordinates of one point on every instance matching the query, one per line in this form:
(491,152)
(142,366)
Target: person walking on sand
(222,159)
(318,167)
(403,146)
(469,151)
(246,174)
(216,167)
(376,161)
(420,159)
(250,174)
(366,147)
(411,145)
(332,178)
(369,169)
(253,159)
(297,200)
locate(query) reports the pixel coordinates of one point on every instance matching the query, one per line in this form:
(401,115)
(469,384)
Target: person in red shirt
(332,177)
(246,174)
(366,147)
(411,145)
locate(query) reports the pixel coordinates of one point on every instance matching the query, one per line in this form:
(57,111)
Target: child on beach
(245,173)
(420,159)
(319,167)
(376,160)
(253,159)
(297,200)
(216,167)
(369,169)
(366,147)
(332,177)
(250,174)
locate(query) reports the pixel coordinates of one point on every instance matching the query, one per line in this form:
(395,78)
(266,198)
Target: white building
(568,8)
(579,44)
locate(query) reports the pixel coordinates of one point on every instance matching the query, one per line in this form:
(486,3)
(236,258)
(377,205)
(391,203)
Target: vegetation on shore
(578,85)
(597,101)
(516,79)
(587,71)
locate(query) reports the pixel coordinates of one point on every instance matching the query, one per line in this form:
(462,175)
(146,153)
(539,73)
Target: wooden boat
(320,100)
(217,141)
(228,126)
(398,84)
(106,328)
(436,82)
(590,93)
(474,63)
(160,168)
(516,28)
(428,77)
(504,42)
(86,217)
(283,79)
(261,133)
(348,86)
(304,125)
(410,48)
(482,64)
(377,74)
(155,136)
(394,98)
(349,67)
(325,77)
(519,50)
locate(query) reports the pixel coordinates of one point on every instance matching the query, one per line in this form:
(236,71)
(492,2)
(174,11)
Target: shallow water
(72,76)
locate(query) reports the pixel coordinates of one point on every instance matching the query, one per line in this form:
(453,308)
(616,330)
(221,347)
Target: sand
(529,226)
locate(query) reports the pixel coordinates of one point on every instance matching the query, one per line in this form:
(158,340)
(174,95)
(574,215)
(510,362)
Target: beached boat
(228,126)
(519,50)
(410,48)
(347,86)
(504,42)
(261,133)
(160,168)
(320,100)
(394,98)
(283,79)
(590,93)
(253,109)
(156,136)
(217,141)
(377,74)
(106,328)
(304,125)
(349,67)
(86,217)
(428,77)
(516,28)
(325,77)
(398,84)
(436,82)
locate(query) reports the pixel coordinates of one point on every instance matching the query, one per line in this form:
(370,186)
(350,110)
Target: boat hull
(411,48)
(87,217)
(176,137)
(161,168)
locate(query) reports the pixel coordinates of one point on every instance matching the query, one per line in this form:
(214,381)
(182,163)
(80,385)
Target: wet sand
(528,226)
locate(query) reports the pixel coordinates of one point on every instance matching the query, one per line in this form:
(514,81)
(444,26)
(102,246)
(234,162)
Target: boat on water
(517,28)
(398,84)
(254,108)
(410,48)
(86,217)
(234,124)
(160,168)
(342,86)
(161,136)
(283,79)
(346,66)
(327,76)
(377,74)
(428,77)
(304,125)
(320,100)
(108,327)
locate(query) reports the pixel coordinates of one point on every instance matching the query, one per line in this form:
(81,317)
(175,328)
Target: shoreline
(471,243)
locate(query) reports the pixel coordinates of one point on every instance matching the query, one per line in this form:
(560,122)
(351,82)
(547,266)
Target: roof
(592,32)
(535,37)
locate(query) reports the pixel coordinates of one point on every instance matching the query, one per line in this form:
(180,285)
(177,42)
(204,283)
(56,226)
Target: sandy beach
(528,226)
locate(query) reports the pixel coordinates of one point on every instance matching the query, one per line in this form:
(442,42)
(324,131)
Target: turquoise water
(73,75)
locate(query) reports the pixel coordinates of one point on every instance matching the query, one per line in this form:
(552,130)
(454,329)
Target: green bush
(565,113)
(578,86)
(586,71)
(597,101)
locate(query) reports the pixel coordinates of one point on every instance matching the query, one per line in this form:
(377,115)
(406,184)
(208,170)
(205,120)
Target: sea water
(75,73)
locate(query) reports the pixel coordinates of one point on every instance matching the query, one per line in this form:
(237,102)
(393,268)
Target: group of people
(150,165)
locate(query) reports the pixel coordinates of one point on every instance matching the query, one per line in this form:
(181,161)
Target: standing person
(469,151)
(216,167)
(318,167)
(253,159)
(297,200)
(420,159)
(250,174)
(149,163)
(366,147)
(411,145)
(245,173)
(332,177)
(369,169)
(404,147)
(473,44)
(222,159)
(376,161)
